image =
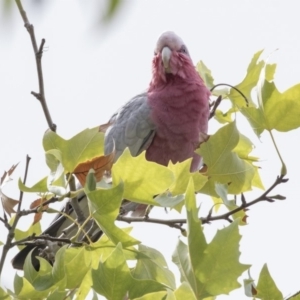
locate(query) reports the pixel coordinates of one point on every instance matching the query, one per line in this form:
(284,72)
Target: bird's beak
(166,56)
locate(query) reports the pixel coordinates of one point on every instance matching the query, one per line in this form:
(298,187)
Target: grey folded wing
(130,127)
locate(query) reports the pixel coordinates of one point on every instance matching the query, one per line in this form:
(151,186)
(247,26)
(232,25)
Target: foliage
(206,269)
(100,257)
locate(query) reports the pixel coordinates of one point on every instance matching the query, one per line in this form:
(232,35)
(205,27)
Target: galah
(169,121)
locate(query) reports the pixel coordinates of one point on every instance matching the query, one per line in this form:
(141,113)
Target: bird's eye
(183,49)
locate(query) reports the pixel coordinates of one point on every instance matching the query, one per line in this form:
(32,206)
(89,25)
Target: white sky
(90,72)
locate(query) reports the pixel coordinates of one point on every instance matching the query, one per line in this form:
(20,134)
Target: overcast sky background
(91,70)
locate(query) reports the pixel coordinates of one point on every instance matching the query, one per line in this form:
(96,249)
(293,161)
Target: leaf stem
(283,167)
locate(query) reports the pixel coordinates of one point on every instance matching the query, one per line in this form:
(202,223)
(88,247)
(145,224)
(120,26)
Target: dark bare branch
(38,52)
(11,231)
(178,223)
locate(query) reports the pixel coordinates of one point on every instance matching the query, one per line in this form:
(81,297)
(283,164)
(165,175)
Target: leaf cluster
(117,265)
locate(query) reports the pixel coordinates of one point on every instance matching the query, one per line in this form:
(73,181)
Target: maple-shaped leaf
(104,207)
(152,265)
(266,286)
(220,268)
(224,164)
(33,229)
(276,110)
(6,175)
(8,203)
(249,82)
(84,146)
(182,175)
(205,74)
(99,164)
(34,204)
(113,279)
(142,179)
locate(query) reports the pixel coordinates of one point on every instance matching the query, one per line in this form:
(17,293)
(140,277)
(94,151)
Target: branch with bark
(12,228)
(38,52)
(178,223)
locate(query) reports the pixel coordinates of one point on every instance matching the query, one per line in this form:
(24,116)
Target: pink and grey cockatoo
(170,120)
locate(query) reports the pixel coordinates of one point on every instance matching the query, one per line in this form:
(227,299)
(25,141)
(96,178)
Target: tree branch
(178,223)
(215,105)
(74,201)
(11,231)
(41,237)
(38,52)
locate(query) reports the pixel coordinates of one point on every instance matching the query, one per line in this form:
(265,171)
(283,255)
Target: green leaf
(82,147)
(58,271)
(57,295)
(196,239)
(256,119)
(281,110)
(167,200)
(205,74)
(39,187)
(249,286)
(248,83)
(4,295)
(142,179)
(74,257)
(181,258)
(220,267)
(224,165)
(184,291)
(112,279)
(226,117)
(276,110)
(256,182)
(112,8)
(152,265)
(33,229)
(295,297)
(24,290)
(144,287)
(270,71)
(56,180)
(41,280)
(103,248)
(221,190)
(244,147)
(105,206)
(266,287)
(182,175)
(153,296)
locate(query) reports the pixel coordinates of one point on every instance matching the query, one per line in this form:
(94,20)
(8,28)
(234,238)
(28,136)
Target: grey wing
(131,127)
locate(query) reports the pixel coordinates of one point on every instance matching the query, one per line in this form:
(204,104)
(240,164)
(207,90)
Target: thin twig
(11,231)
(38,52)
(74,201)
(177,223)
(41,237)
(174,223)
(234,88)
(215,106)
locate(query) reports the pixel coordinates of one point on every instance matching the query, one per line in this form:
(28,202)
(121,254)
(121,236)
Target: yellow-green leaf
(266,287)
(82,147)
(142,179)
(224,165)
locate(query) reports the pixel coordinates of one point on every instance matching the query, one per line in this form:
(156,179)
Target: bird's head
(171,58)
